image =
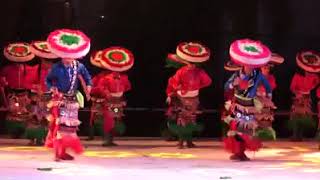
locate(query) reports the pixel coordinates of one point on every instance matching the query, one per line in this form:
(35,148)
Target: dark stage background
(152,28)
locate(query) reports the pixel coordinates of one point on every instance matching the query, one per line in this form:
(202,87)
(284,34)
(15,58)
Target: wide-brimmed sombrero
(41,49)
(276,59)
(309,61)
(231,66)
(18,52)
(114,58)
(95,59)
(191,52)
(249,53)
(67,43)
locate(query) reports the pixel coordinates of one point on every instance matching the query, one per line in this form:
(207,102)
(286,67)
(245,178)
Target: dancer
(244,106)
(229,66)
(303,82)
(318,108)
(63,80)
(36,127)
(266,117)
(185,86)
(108,91)
(172,110)
(19,77)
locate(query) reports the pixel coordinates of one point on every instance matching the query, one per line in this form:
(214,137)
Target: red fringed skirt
(234,146)
(69,142)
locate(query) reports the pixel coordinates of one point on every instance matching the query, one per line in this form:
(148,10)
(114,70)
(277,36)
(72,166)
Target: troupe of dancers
(43,98)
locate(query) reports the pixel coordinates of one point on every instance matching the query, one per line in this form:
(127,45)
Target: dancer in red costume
(36,128)
(184,86)
(47,59)
(63,80)
(108,91)
(266,117)
(303,82)
(318,106)
(18,77)
(18,74)
(244,106)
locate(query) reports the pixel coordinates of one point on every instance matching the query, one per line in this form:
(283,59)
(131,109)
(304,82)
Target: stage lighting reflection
(272,152)
(172,155)
(300,149)
(23,148)
(110,154)
(313,170)
(312,157)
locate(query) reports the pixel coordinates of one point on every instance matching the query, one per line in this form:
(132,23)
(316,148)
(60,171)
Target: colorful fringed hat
(231,66)
(41,49)
(247,52)
(190,52)
(309,61)
(18,52)
(95,59)
(67,43)
(276,59)
(117,59)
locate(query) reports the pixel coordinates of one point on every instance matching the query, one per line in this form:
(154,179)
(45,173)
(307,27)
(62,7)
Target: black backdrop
(152,28)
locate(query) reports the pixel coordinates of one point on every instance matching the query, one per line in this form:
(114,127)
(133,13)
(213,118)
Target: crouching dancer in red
(63,80)
(245,106)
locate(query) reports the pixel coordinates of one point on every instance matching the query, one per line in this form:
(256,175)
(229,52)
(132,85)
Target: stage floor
(143,159)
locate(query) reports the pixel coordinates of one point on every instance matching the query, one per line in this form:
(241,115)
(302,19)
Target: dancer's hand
(88,97)
(89,89)
(88,93)
(54,91)
(236,81)
(168,100)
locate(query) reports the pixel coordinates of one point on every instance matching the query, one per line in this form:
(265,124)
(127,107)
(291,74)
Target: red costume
(183,91)
(188,79)
(301,118)
(242,110)
(36,129)
(63,81)
(107,94)
(303,84)
(45,69)
(20,76)
(318,96)
(106,85)
(113,82)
